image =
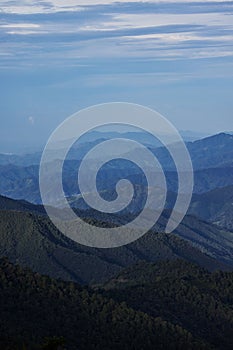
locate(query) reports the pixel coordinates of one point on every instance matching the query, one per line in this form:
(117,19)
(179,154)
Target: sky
(57,57)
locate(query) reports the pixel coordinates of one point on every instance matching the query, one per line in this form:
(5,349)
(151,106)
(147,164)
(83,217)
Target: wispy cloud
(80,33)
(31,120)
(20,25)
(58,56)
(52,6)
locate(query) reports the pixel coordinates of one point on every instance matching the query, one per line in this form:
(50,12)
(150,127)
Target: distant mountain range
(212,160)
(17,153)
(216,149)
(22,182)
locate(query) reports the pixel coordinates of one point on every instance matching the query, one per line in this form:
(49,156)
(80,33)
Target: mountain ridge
(29,238)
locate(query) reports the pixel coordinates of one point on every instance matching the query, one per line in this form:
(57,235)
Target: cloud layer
(133,33)
(58,56)
(152,29)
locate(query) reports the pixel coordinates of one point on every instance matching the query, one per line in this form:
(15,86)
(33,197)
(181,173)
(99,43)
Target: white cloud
(146,19)
(31,120)
(22,32)
(46,6)
(20,25)
(114,34)
(21,28)
(21,9)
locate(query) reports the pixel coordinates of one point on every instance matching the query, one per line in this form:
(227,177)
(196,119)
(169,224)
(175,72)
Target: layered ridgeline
(38,310)
(215,206)
(207,152)
(29,238)
(211,157)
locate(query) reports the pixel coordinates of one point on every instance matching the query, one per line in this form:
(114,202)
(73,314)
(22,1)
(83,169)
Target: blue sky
(57,57)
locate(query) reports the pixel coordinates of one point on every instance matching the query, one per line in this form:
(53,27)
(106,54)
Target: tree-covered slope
(33,241)
(210,239)
(34,307)
(20,205)
(215,206)
(181,293)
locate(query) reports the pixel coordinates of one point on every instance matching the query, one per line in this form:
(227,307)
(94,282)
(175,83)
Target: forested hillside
(183,294)
(33,241)
(35,307)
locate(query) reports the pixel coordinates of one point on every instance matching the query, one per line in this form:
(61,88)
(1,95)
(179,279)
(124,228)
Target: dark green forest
(38,312)
(167,305)
(181,293)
